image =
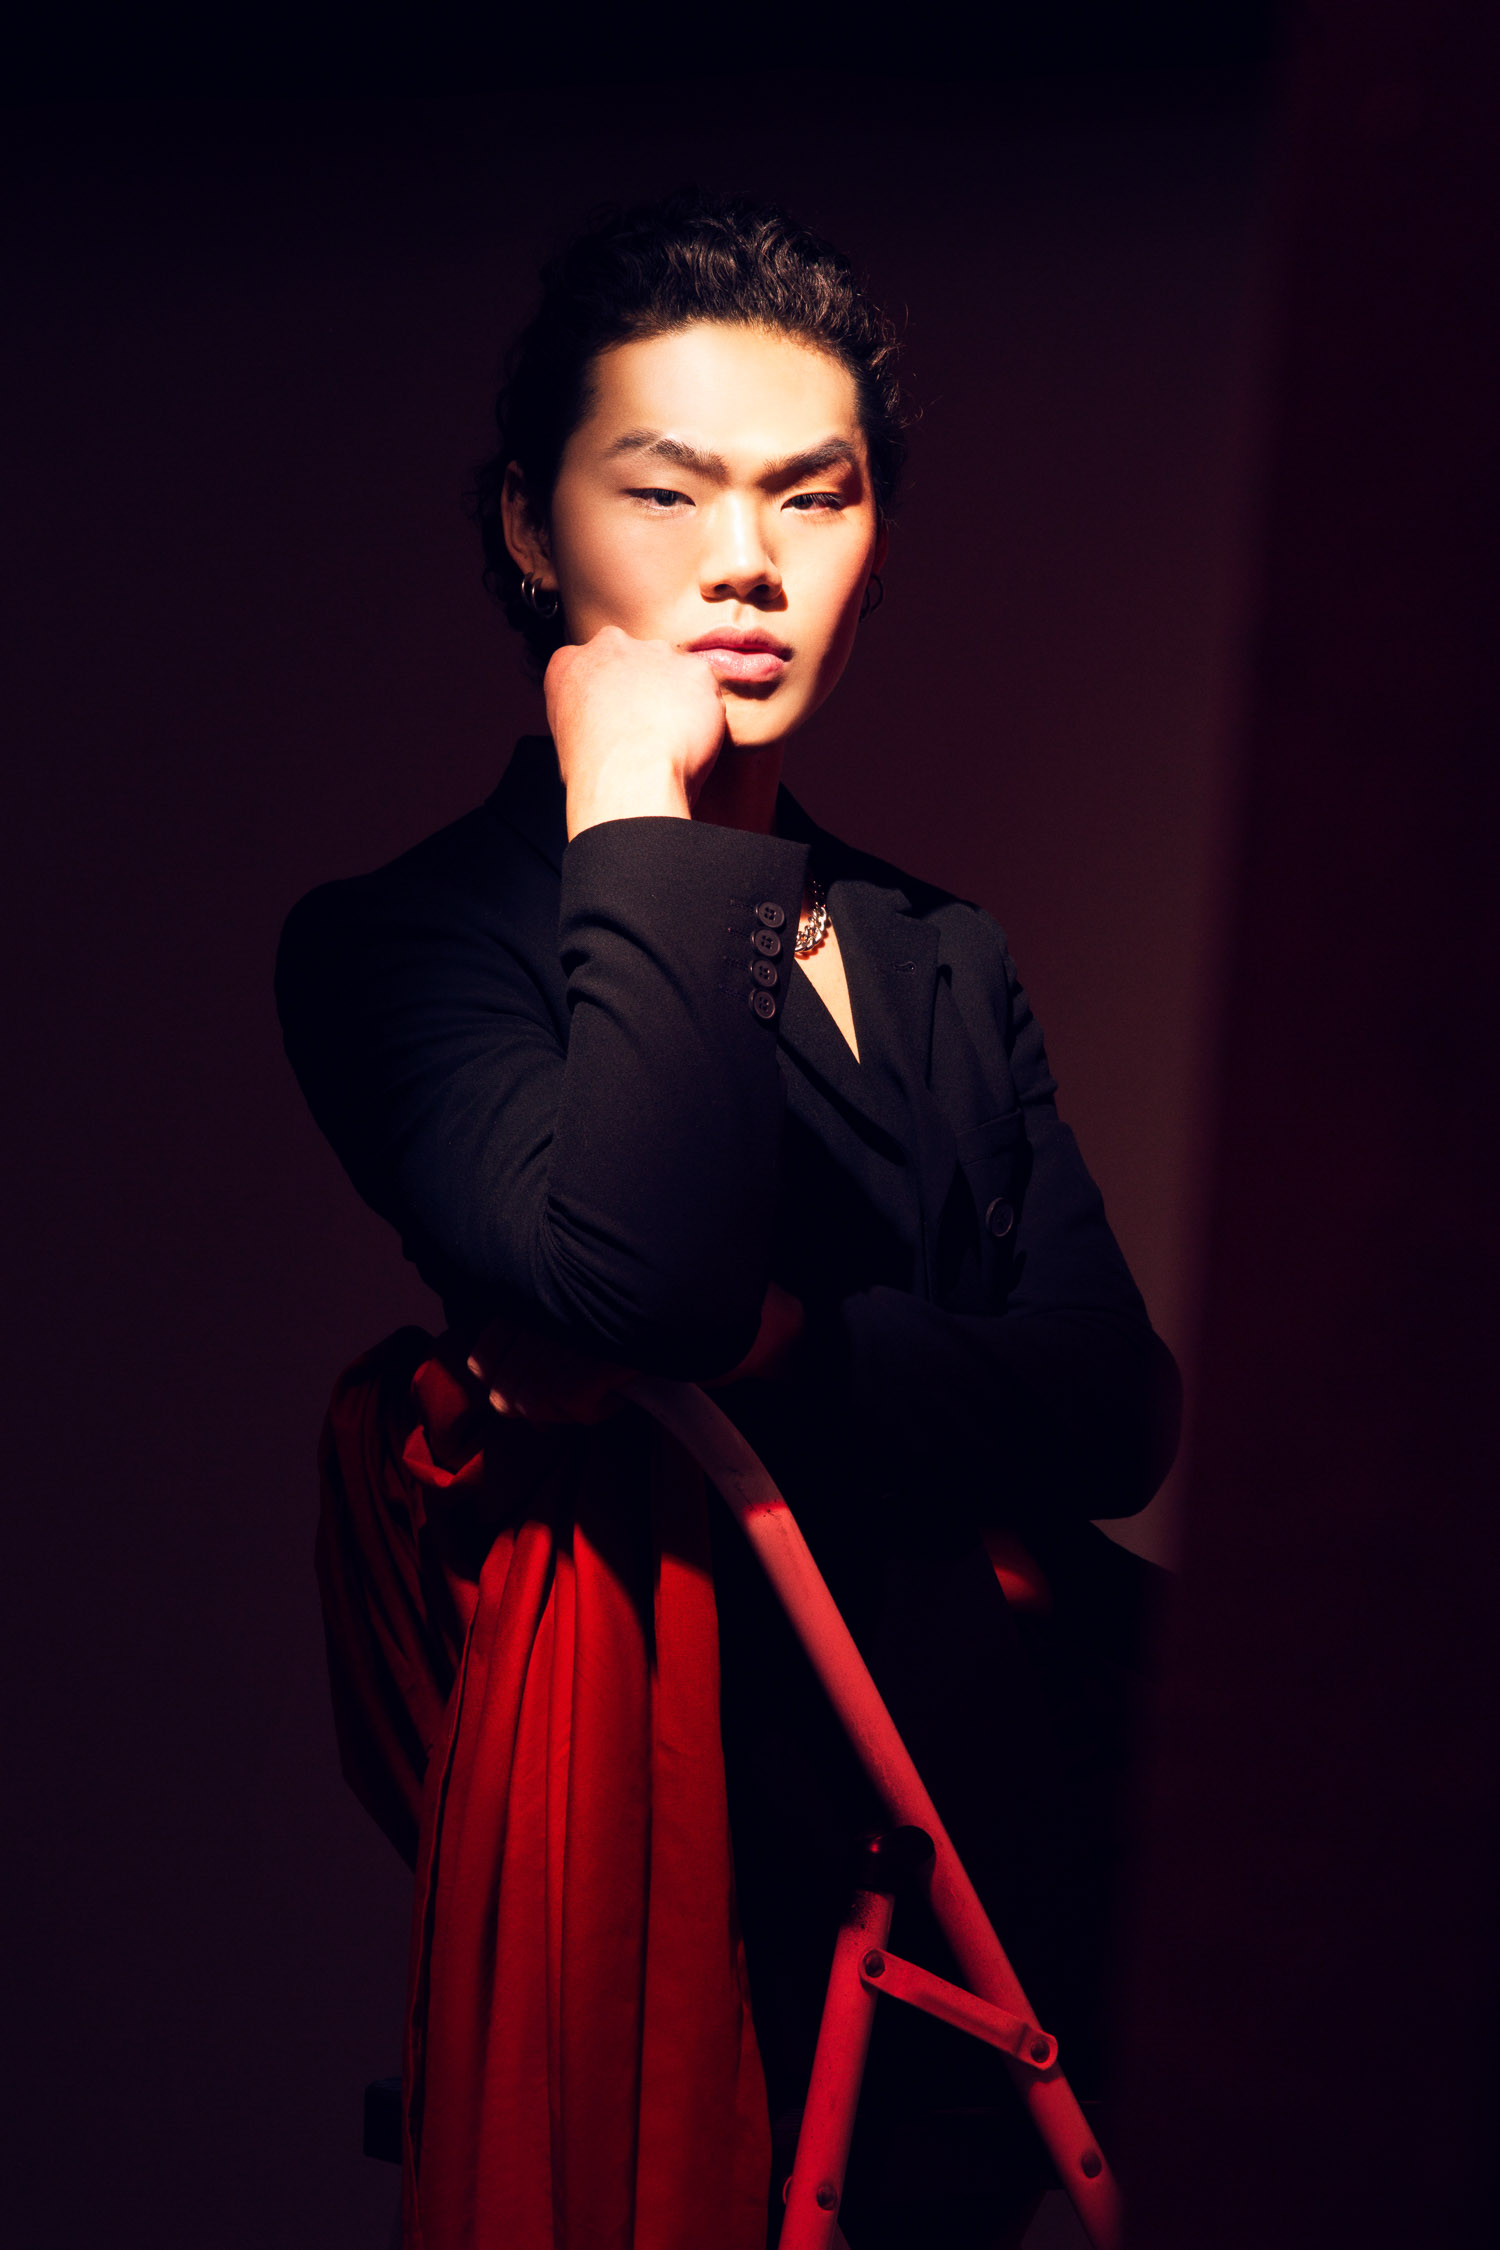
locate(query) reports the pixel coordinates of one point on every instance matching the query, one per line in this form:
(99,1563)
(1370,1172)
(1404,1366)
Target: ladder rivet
(1091,2164)
(827,2196)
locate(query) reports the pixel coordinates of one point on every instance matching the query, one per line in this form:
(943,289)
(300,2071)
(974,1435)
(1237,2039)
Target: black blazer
(585,1080)
(552,1067)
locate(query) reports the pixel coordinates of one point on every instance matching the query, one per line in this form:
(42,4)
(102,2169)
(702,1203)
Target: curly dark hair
(645,271)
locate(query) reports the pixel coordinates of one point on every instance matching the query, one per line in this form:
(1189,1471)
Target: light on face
(720,486)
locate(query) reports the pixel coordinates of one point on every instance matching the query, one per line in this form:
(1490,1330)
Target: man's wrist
(651,797)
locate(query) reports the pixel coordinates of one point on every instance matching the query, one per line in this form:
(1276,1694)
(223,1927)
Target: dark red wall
(1312,2053)
(249,353)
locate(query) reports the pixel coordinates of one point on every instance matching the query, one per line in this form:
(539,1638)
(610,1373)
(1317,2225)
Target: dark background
(1185,669)
(250,350)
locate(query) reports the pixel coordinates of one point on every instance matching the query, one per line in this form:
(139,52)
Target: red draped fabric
(523,1647)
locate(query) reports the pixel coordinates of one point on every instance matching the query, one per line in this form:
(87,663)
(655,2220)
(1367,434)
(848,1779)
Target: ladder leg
(817,2184)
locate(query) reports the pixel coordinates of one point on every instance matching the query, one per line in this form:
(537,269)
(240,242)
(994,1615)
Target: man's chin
(757,724)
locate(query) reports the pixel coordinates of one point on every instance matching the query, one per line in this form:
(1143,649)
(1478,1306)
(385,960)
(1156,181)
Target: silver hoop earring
(541,600)
(877,588)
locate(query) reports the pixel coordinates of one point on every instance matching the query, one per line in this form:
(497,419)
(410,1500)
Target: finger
(548,1407)
(537,1409)
(492,1347)
(535,1402)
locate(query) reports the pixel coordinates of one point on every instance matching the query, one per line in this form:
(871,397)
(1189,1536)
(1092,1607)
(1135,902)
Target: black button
(771,914)
(764,1004)
(767,942)
(999,1218)
(764,972)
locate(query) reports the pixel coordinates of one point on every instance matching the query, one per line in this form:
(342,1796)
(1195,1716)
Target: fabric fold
(523,1645)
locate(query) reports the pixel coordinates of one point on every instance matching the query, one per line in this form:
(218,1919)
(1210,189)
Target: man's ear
(526,542)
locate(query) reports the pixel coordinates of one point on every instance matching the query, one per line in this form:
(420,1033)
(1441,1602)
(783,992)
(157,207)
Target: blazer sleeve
(1059,1403)
(615,1177)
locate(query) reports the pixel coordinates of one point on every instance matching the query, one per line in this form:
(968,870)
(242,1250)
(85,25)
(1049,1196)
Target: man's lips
(751,659)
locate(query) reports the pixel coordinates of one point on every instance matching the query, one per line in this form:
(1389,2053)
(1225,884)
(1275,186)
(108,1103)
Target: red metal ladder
(994,2007)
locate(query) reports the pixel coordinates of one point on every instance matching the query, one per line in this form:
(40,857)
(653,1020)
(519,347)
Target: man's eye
(815,503)
(659,496)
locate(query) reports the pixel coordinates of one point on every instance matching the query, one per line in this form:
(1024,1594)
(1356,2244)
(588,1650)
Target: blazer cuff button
(764,1003)
(770,915)
(999,1218)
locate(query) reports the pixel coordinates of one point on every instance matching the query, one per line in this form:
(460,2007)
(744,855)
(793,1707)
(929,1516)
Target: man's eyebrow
(792,468)
(832,453)
(671,449)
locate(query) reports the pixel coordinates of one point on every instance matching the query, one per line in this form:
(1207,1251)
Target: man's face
(718,490)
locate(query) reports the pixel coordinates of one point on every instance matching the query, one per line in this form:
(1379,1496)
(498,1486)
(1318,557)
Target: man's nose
(737,562)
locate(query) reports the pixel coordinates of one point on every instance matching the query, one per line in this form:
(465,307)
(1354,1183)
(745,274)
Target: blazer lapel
(891,958)
(898,955)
